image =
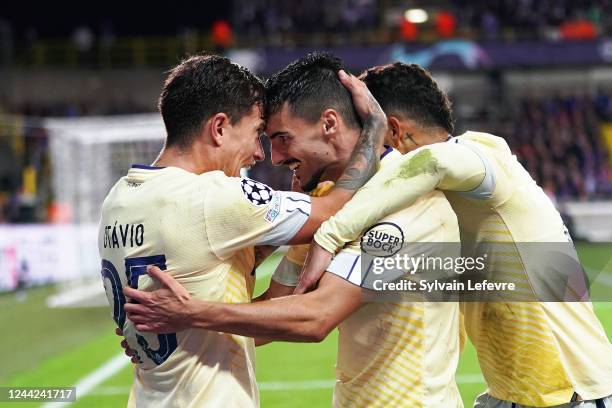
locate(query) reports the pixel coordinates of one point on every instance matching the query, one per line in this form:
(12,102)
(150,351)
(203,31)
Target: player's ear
(393,137)
(330,122)
(219,124)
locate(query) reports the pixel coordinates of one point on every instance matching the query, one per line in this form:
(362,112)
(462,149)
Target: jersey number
(134,267)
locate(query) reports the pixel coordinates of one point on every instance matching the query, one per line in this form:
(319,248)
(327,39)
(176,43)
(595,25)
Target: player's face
(299,145)
(245,144)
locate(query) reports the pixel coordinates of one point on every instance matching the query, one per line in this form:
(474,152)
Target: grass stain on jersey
(421,163)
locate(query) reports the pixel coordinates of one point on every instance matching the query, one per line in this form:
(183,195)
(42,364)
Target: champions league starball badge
(257,193)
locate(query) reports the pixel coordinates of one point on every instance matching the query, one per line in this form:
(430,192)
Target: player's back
(533,353)
(162,216)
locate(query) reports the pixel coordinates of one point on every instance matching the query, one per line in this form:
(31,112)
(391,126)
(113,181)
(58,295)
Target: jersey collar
(145,167)
(388,149)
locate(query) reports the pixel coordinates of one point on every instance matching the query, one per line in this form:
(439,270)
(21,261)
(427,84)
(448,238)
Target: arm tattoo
(364,161)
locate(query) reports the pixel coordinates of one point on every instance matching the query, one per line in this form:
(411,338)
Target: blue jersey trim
(386,152)
(145,167)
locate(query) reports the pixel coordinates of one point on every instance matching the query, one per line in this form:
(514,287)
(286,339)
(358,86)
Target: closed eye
(284,137)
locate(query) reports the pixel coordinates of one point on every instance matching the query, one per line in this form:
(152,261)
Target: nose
(259,154)
(277,156)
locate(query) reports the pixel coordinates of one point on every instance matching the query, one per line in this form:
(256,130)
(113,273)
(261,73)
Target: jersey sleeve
(445,166)
(484,189)
(241,212)
(347,264)
(288,270)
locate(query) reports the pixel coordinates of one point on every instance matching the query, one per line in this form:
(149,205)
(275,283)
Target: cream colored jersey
(201,229)
(395,354)
(531,353)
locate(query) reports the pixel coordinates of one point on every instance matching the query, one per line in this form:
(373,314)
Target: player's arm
(300,318)
(444,166)
(275,290)
(284,279)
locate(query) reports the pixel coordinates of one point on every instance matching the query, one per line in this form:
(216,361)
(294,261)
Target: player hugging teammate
(326,126)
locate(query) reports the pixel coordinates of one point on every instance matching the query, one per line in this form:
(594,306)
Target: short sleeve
(485,189)
(241,213)
(288,270)
(347,264)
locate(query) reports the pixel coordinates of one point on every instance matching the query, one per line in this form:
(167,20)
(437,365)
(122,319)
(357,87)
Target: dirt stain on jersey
(421,163)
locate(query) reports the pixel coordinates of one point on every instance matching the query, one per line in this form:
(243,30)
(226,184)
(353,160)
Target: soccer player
(390,354)
(192,216)
(539,354)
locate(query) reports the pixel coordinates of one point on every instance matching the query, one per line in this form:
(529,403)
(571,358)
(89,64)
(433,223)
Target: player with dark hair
(419,111)
(193,216)
(386,356)
(308,92)
(532,354)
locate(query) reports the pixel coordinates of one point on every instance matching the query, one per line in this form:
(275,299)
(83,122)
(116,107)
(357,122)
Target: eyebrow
(279,133)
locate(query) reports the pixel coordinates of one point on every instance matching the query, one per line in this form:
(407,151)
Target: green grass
(57,347)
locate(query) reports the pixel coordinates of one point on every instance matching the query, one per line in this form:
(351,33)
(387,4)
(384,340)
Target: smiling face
(300,145)
(243,145)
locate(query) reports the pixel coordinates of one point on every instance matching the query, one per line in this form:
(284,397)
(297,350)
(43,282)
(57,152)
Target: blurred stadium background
(78,90)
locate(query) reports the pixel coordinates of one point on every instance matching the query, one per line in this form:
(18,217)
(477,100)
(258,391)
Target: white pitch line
(88,383)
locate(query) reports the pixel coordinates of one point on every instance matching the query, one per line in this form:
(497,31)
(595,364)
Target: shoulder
(484,140)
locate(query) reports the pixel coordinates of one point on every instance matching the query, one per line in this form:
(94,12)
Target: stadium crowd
(530,18)
(559,141)
(261,23)
(275,22)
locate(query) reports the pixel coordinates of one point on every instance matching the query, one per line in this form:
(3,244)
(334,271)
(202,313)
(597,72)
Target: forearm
(275,290)
(398,186)
(292,318)
(364,161)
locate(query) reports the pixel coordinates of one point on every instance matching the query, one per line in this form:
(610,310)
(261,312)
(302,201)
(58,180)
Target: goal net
(88,155)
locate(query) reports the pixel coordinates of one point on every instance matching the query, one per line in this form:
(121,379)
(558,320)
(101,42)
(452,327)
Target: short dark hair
(201,86)
(409,90)
(310,85)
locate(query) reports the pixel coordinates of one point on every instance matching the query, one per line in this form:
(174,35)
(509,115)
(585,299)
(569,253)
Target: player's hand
(162,311)
(317,261)
(128,351)
(365,104)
